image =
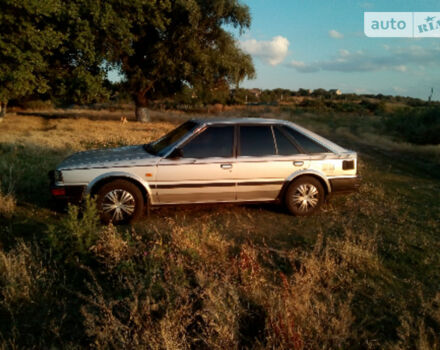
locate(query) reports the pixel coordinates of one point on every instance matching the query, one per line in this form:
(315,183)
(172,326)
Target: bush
(77,232)
(373,107)
(37,104)
(314,104)
(416,125)
(345,107)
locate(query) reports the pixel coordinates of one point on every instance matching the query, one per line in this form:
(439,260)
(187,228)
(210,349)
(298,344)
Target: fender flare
(321,176)
(119,175)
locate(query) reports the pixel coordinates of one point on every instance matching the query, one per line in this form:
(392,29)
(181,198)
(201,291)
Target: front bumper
(345,184)
(65,194)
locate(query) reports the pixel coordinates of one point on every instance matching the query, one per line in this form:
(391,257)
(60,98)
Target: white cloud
(302,67)
(271,52)
(335,34)
(398,89)
(398,59)
(401,68)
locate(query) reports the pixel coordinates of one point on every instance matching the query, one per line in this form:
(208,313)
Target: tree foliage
(160,46)
(167,45)
(27,38)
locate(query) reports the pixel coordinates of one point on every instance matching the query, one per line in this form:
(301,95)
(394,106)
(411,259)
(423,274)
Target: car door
(321,159)
(205,171)
(266,158)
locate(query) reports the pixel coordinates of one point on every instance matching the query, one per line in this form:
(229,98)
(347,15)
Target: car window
(256,141)
(165,143)
(307,144)
(284,145)
(215,141)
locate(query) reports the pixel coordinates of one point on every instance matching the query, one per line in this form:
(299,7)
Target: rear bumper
(345,184)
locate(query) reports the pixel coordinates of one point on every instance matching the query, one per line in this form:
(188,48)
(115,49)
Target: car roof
(237,121)
(210,121)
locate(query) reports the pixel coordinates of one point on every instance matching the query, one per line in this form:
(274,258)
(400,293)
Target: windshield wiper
(149,148)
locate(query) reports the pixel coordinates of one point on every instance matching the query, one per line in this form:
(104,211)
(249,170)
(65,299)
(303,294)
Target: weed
(77,232)
(7,205)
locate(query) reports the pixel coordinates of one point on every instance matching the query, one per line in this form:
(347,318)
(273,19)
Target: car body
(211,161)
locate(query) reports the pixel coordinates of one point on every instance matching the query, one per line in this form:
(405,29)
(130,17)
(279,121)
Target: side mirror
(176,153)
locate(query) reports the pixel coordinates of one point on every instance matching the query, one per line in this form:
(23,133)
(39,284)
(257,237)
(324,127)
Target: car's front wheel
(120,202)
(304,196)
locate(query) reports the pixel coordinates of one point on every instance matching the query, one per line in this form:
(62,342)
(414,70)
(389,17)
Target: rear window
(307,144)
(256,141)
(284,145)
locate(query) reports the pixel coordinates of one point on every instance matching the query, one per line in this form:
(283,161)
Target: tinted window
(256,141)
(285,147)
(164,144)
(308,145)
(213,142)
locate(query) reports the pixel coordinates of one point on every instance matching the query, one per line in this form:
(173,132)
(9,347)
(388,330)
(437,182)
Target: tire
(120,202)
(304,196)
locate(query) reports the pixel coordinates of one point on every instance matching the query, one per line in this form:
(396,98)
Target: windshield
(165,143)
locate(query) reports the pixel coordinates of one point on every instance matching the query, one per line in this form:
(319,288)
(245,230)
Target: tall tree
(159,45)
(27,38)
(163,45)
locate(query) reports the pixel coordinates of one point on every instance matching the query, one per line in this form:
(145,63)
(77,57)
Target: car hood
(111,157)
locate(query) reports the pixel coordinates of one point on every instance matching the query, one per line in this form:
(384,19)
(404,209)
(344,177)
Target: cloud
(303,67)
(271,52)
(398,89)
(401,68)
(397,59)
(335,34)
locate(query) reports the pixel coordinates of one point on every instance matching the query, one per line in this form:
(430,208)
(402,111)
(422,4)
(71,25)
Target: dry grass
(361,274)
(214,298)
(77,134)
(7,205)
(20,272)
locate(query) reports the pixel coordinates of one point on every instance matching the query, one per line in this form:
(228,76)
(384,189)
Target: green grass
(362,273)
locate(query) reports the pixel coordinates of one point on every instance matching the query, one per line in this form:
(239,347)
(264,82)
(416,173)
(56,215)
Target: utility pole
(430,96)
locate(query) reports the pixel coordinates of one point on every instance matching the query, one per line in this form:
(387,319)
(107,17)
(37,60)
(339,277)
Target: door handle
(298,163)
(226,166)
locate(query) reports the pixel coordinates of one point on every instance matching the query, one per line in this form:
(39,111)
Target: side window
(256,141)
(307,144)
(285,147)
(213,142)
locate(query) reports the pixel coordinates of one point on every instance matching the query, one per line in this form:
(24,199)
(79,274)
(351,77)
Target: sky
(321,44)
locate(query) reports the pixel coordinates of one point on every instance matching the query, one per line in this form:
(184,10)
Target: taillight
(56,192)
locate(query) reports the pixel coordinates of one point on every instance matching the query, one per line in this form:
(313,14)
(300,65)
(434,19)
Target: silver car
(211,161)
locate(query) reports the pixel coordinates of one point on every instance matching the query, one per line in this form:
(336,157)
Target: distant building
(255,92)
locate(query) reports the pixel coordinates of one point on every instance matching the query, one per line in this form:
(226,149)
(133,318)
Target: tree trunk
(142,114)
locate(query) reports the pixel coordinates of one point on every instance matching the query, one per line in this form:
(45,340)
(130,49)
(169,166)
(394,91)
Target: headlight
(58,176)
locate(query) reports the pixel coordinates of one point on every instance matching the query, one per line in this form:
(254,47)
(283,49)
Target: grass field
(362,273)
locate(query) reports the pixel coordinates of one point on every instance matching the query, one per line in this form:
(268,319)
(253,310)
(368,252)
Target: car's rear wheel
(120,202)
(304,196)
